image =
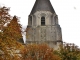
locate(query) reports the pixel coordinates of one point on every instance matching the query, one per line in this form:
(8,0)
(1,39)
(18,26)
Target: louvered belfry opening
(42,21)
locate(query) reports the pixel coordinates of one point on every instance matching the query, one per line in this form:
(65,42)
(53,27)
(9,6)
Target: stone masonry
(43,25)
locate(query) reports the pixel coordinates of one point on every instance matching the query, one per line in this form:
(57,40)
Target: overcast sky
(68,12)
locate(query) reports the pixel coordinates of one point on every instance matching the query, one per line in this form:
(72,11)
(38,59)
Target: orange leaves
(14,29)
(9,35)
(39,52)
(4,17)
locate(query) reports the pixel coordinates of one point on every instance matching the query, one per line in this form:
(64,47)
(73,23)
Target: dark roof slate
(42,5)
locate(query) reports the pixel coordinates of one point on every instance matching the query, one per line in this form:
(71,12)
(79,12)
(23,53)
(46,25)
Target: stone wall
(50,33)
(45,34)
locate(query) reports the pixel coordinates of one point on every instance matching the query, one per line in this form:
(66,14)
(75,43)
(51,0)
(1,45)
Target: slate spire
(42,5)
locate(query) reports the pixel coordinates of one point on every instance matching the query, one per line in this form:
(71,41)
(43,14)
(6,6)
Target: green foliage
(69,52)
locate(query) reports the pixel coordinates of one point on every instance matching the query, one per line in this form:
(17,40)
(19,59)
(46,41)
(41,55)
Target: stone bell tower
(43,25)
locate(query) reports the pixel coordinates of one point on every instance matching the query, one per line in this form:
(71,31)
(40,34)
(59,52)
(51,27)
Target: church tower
(43,25)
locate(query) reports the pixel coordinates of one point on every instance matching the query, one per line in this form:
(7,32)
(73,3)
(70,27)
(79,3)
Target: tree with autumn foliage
(69,51)
(5,17)
(10,33)
(14,28)
(38,52)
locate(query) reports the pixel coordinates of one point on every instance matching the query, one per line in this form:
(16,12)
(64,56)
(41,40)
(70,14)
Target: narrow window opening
(42,21)
(30,20)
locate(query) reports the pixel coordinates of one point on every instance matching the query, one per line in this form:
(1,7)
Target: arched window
(42,21)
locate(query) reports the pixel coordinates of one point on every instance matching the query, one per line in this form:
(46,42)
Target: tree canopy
(10,32)
(39,52)
(12,49)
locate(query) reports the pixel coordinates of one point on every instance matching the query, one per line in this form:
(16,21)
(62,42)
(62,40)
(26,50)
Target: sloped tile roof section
(42,5)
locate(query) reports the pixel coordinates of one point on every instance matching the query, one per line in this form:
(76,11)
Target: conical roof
(42,5)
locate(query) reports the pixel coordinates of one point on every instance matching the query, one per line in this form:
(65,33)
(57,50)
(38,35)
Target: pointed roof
(42,5)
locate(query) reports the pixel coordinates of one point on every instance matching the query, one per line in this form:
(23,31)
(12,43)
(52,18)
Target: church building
(43,26)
